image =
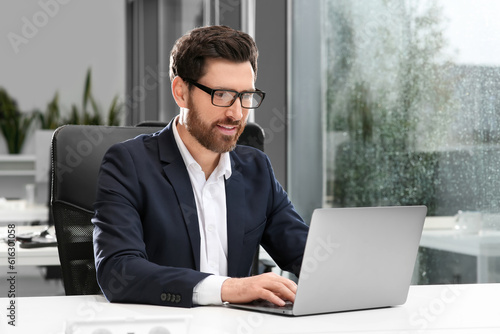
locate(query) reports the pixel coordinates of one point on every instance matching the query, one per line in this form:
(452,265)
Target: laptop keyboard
(264,303)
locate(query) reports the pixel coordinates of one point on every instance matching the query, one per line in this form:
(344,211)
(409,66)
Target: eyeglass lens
(224,98)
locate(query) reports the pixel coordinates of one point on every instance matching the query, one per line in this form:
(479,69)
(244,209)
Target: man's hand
(268,286)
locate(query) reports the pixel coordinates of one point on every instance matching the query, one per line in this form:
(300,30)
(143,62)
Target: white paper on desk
(130,325)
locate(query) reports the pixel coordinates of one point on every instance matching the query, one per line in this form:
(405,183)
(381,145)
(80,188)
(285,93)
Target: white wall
(48,45)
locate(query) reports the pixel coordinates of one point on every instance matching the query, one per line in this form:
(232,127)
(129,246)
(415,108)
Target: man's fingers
(291,285)
(284,290)
(273,298)
(269,286)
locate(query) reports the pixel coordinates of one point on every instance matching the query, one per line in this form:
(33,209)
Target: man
(180,213)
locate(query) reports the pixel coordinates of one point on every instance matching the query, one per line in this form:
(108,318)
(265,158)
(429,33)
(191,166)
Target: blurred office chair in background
(77,152)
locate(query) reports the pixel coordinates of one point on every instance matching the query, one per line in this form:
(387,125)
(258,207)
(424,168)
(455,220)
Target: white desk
(19,212)
(433,309)
(438,234)
(44,256)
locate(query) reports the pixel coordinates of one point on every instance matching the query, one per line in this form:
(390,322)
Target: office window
(410,114)
(152,27)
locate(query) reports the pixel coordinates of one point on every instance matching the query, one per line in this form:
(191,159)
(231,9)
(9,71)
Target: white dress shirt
(210,197)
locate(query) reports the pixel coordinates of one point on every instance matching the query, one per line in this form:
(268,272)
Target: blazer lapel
(235,201)
(176,173)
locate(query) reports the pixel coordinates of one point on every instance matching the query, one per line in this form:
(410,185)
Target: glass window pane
(412,110)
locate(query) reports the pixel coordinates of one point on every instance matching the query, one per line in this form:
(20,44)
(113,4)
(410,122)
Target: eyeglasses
(226,97)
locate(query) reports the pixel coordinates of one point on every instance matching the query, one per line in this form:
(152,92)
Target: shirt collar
(222,169)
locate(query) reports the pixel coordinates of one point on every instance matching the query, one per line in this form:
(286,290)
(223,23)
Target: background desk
(18,212)
(437,309)
(44,256)
(439,234)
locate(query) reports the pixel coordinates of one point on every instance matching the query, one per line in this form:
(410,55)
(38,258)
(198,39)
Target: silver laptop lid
(358,258)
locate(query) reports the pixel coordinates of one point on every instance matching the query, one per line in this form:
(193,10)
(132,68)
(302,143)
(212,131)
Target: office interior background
(369,103)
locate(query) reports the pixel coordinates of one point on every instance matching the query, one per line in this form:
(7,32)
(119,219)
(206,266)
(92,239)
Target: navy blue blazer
(146,231)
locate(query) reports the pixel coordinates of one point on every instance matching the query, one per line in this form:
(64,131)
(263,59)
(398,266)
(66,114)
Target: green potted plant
(90,112)
(51,118)
(14,124)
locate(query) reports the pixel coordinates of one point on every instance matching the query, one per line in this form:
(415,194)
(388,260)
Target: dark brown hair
(187,59)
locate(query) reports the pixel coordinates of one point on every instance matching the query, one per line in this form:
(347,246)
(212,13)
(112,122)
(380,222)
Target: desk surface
(44,256)
(439,234)
(18,212)
(486,244)
(439,309)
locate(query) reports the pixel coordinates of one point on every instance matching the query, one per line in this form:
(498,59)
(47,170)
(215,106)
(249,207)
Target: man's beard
(208,135)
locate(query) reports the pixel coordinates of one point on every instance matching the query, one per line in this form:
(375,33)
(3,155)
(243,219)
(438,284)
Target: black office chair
(253,135)
(77,152)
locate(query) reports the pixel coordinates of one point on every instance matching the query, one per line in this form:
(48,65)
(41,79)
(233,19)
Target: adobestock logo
(150,80)
(89,310)
(426,315)
(31,26)
(250,324)
(323,250)
(277,124)
(117,283)
(74,154)
(228,6)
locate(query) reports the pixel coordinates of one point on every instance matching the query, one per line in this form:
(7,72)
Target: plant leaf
(87,89)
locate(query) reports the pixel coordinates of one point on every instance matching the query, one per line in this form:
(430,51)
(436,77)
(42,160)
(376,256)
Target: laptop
(354,259)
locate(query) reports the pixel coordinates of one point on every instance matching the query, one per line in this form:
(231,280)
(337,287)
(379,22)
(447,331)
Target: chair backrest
(76,156)
(253,135)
